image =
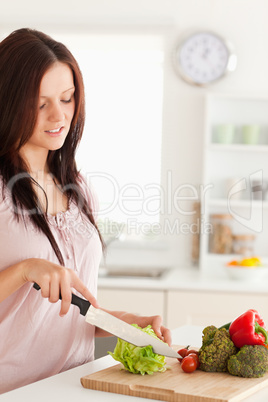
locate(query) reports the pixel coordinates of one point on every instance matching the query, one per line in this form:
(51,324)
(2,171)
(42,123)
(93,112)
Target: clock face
(203,58)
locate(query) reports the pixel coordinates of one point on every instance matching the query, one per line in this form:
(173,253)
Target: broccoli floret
(208,335)
(216,349)
(250,361)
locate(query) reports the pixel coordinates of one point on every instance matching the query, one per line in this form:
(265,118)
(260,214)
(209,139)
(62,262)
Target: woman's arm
(11,279)
(142,321)
(53,279)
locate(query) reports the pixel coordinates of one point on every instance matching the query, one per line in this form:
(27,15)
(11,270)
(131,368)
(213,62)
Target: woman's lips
(55,132)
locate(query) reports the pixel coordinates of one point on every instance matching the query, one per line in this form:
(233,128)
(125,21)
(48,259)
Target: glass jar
(244,244)
(221,240)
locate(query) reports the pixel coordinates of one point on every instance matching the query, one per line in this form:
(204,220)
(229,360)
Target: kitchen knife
(119,328)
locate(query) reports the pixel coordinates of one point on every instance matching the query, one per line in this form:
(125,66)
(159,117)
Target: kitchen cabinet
(185,306)
(233,165)
(211,308)
(140,302)
(185,296)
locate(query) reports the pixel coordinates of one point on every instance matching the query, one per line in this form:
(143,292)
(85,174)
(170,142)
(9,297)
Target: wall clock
(204,57)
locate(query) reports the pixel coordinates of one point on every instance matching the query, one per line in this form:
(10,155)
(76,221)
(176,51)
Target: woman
(48,232)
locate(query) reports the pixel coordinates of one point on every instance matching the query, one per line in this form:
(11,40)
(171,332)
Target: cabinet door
(211,308)
(140,302)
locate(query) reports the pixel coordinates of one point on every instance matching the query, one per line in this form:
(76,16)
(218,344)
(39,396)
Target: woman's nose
(56,113)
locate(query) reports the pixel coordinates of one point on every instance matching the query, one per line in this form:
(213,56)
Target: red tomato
(189,364)
(192,351)
(183,352)
(196,357)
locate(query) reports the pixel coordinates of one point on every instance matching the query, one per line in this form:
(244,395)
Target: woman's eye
(62,100)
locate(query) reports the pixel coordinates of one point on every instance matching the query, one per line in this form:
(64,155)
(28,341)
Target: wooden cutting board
(174,385)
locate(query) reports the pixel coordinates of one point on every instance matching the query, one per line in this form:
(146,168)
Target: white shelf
(228,257)
(222,259)
(225,161)
(222,203)
(263,148)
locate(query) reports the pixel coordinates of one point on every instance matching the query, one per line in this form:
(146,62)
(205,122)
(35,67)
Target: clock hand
(205,53)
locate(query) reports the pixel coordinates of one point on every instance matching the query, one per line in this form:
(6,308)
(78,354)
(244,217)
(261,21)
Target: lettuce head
(139,360)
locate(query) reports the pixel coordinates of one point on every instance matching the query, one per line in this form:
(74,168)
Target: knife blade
(119,328)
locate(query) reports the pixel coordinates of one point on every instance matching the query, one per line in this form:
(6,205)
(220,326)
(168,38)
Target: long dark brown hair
(25,56)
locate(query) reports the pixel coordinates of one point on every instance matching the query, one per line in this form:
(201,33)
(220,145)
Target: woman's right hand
(54,280)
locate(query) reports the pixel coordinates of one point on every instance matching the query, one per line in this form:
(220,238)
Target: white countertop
(189,278)
(66,386)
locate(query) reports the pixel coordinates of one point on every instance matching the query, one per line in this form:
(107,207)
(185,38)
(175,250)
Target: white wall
(244,22)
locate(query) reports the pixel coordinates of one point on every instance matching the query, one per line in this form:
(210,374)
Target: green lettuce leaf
(139,360)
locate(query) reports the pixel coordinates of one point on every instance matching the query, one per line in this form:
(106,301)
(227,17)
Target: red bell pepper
(248,329)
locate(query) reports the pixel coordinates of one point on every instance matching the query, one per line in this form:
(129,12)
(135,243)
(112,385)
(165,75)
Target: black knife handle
(76,300)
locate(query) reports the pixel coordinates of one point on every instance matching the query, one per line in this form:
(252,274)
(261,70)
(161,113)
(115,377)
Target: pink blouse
(35,342)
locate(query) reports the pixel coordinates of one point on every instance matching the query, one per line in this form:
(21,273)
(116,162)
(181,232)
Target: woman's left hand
(155,321)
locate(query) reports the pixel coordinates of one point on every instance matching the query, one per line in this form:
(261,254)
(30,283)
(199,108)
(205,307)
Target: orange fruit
(234,262)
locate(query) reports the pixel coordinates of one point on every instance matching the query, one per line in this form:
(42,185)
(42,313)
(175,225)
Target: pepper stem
(261,330)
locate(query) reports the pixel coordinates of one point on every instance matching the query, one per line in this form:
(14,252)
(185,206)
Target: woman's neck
(48,190)
(36,160)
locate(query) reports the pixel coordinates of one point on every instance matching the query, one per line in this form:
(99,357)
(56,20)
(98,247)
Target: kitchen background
(161,131)
(243,22)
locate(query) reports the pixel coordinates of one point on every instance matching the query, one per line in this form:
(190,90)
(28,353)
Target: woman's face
(55,110)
